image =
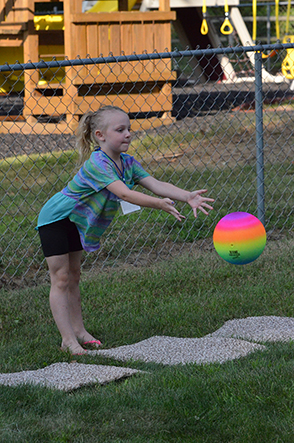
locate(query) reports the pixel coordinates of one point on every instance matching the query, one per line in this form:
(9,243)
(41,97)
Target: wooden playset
(142,88)
(54,99)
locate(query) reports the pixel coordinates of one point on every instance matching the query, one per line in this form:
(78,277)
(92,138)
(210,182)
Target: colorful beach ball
(239,238)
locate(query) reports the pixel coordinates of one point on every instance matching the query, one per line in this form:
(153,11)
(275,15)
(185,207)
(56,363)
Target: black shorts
(60,238)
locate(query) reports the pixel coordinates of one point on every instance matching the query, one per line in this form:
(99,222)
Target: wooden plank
(153,122)
(123,16)
(68,8)
(75,5)
(115,45)
(162,37)
(12,28)
(127,44)
(93,51)
(15,127)
(140,37)
(126,30)
(78,46)
(104,39)
(104,48)
(12,118)
(37,128)
(130,103)
(30,53)
(162,43)
(21,10)
(105,73)
(148,45)
(11,41)
(92,40)
(46,105)
(138,48)
(164,5)
(105,76)
(30,48)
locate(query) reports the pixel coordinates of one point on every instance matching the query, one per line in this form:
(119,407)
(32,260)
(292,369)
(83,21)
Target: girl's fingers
(207,206)
(203,210)
(177,215)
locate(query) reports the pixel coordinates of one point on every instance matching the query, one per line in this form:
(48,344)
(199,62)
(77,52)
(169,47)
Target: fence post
(259,137)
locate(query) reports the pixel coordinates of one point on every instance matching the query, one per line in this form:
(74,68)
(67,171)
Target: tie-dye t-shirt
(86,199)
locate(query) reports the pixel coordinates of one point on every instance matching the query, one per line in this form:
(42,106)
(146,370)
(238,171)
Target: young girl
(75,218)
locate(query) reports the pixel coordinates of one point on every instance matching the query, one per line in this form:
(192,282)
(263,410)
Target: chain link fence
(213,118)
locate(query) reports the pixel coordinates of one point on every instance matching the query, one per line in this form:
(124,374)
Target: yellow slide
(49,22)
(288,62)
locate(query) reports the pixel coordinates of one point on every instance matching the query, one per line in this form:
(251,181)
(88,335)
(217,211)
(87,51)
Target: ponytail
(89,123)
(84,138)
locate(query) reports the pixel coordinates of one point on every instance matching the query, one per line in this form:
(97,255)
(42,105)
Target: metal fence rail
(211,118)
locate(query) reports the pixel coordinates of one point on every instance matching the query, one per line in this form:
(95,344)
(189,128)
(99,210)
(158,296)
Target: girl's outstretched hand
(196,201)
(168,206)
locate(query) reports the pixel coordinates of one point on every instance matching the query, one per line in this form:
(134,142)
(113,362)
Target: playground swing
(288,62)
(287,66)
(204,26)
(226,28)
(254,27)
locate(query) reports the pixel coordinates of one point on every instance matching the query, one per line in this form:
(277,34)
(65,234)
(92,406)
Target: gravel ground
(235,339)
(67,376)
(21,144)
(175,351)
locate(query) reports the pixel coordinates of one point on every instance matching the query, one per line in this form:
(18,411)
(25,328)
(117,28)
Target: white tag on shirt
(127,207)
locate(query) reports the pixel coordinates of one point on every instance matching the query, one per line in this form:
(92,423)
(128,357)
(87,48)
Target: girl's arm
(163,189)
(138,198)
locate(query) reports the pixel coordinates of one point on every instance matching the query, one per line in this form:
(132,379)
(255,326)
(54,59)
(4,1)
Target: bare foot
(75,349)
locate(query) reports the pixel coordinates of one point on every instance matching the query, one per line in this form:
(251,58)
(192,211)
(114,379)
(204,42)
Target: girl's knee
(61,279)
(75,275)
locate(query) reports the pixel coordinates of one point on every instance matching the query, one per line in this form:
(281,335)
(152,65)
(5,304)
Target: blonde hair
(88,125)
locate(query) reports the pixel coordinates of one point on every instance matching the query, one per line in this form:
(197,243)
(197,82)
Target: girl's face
(116,136)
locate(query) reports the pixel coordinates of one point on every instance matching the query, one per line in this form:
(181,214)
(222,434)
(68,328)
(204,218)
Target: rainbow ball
(239,238)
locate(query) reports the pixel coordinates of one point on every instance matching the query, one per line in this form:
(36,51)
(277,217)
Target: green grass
(27,182)
(245,400)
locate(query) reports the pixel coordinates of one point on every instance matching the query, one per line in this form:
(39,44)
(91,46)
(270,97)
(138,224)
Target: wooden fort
(55,100)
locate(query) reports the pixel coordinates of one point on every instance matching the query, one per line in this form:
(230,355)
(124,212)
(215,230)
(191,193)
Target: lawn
(245,400)
(27,182)
(191,295)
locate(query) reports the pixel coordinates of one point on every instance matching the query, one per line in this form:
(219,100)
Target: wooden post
(164,5)
(70,91)
(30,53)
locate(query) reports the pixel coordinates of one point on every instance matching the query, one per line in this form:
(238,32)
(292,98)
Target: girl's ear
(99,135)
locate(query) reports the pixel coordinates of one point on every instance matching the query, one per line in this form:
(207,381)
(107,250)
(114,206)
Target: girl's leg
(60,274)
(74,299)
